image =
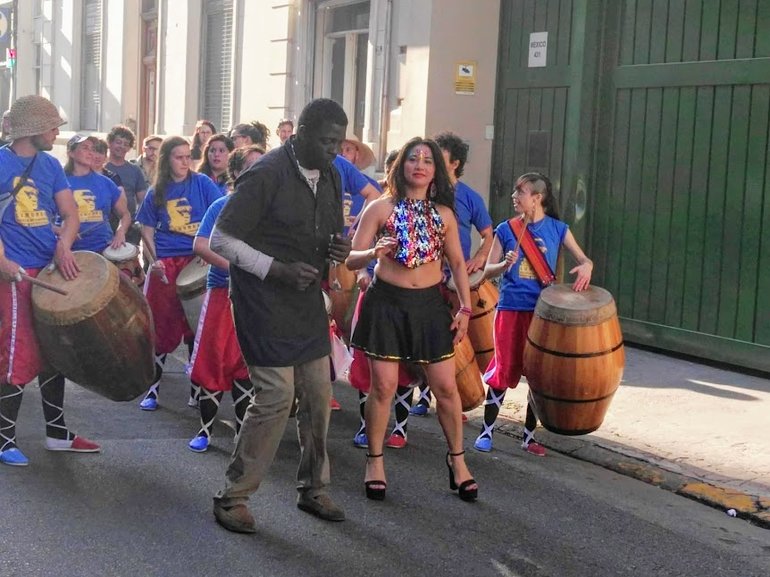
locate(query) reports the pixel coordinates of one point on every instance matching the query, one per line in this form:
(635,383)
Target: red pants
(20,359)
(505,369)
(217,360)
(167,312)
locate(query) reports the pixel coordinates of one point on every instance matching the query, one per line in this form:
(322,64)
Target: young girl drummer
(520,288)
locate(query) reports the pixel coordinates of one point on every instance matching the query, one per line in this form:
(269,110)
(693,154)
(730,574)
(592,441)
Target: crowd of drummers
(283,265)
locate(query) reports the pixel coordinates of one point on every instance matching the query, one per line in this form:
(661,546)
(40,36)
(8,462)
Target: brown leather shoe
(237,518)
(321,506)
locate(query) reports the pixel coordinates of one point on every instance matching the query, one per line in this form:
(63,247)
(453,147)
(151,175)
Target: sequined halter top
(419,230)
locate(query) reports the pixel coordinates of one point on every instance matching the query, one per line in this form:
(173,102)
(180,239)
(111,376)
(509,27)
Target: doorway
(342,44)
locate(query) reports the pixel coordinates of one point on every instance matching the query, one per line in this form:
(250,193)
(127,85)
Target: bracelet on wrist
(465,311)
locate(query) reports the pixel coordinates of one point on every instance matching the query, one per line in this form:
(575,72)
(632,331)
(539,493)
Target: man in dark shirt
(278,231)
(121,140)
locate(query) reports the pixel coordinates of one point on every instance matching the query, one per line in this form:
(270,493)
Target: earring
(432,192)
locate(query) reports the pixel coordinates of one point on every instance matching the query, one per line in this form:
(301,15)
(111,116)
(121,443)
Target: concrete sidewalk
(697,430)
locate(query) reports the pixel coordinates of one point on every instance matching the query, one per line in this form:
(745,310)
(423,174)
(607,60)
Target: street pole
(14,25)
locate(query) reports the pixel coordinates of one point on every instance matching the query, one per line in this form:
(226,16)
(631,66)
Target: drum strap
(534,256)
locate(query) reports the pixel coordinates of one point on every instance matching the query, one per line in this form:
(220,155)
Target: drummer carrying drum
(170,216)
(96,197)
(470,212)
(217,363)
(33,188)
(525,251)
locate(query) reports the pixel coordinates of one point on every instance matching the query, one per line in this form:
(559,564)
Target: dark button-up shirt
(274,210)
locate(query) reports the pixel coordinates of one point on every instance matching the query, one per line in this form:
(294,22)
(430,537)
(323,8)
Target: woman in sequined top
(403,316)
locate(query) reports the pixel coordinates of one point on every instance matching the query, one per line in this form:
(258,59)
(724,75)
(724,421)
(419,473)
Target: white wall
(461,31)
(179,35)
(265,64)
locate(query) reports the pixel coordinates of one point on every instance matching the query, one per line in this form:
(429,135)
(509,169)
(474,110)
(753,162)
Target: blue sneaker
(149,404)
(419,410)
(199,444)
(361,441)
(483,444)
(13,457)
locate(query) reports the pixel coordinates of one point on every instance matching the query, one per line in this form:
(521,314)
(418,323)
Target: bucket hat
(32,115)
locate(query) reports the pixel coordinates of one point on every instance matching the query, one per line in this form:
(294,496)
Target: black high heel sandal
(466,494)
(375,490)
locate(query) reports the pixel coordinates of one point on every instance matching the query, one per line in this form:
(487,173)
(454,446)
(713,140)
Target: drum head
(125,252)
(192,279)
(95,285)
(560,304)
(475,279)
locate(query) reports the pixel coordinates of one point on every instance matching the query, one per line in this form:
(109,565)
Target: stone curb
(752,508)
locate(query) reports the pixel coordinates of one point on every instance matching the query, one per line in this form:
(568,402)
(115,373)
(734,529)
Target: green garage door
(672,147)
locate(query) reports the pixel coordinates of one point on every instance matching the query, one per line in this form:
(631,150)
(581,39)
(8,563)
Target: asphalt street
(143,508)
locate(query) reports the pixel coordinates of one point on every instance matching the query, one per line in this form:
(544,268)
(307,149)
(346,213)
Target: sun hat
(365,154)
(32,115)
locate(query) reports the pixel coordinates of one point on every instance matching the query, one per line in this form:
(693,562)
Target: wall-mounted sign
(538,49)
(465,77)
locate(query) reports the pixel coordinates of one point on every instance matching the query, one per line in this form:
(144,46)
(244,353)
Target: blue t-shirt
(217,277)
(353,182)
(95,196)
(25,228)
(519,287)
(470,210)
(176,223)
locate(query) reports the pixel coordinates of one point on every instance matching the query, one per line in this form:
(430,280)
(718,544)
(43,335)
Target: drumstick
(43,284)
(518,241)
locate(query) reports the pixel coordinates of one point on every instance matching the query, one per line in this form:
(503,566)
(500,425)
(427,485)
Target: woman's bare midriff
(423,276)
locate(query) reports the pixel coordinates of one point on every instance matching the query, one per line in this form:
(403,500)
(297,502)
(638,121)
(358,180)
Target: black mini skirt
(402,324)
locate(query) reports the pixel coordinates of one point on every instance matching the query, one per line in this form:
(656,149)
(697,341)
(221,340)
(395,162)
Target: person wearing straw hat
(357,152)
(33,188)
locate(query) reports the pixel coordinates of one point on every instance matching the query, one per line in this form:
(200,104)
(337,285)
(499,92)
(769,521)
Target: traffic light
(10,57)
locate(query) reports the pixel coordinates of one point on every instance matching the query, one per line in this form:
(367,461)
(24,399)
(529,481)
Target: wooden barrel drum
(484,297)
(344,294)
(468,376)
(100,335)
(126,258)
(573,358)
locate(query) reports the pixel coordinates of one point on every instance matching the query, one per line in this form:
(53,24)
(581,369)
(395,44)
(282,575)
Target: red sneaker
(396,442)
(76,445)
(535,449)
(334,404)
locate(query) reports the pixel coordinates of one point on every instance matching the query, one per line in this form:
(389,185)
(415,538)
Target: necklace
(311,182)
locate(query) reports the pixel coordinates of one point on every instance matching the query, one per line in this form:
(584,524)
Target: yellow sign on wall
(465,77)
